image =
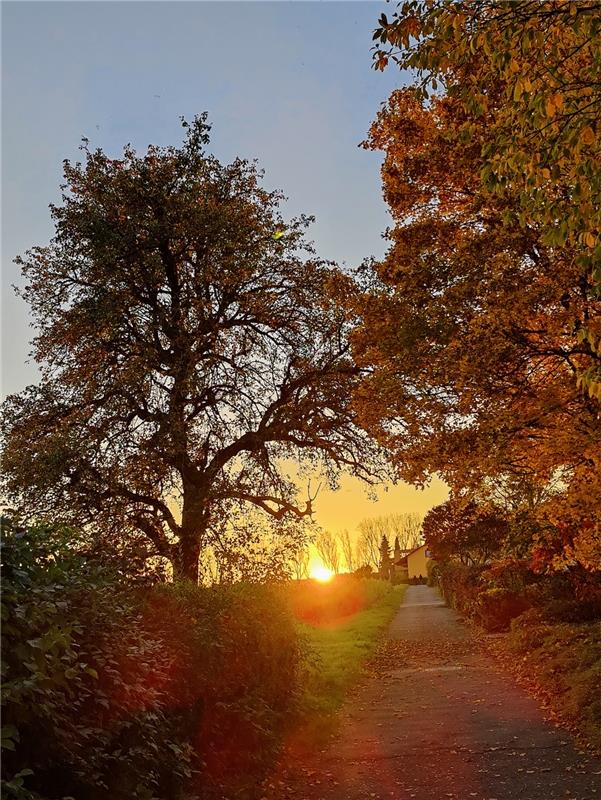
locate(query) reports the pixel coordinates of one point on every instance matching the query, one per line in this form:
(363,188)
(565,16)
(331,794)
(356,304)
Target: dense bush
(490,596)
(116,689)
(496,607)
(459,585)
(494,595)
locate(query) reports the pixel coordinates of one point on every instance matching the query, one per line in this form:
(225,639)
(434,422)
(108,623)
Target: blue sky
(290,84)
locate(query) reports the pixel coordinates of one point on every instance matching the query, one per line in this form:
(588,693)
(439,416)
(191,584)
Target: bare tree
(299,561)
(407,527)
(368,544)
(348,552)
(326,545)
(404,527)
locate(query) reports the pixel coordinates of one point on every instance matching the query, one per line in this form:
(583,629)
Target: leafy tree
(185,350)
(471,326)
(528,69)
(465,532)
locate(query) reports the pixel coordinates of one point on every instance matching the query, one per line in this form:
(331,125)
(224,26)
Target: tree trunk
(185,558)
(192,533)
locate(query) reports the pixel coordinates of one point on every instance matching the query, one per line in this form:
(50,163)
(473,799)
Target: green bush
(116,689)
(235,679)
(82,706)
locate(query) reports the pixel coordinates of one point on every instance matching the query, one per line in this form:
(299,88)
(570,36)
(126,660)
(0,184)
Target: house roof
(415,549)
(402,561)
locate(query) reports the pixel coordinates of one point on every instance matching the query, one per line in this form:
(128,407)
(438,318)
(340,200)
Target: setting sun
(321,573)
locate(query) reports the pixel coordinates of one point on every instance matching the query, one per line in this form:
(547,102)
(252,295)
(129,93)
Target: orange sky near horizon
(347,506)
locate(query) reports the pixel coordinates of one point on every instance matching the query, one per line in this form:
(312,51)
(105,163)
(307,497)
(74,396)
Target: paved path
(437,720)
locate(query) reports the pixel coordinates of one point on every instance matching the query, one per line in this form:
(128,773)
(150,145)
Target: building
(412,564)
(417,562)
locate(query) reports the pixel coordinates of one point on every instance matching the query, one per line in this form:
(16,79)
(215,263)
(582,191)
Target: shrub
(570,610)
(496,608)
(236,680)
(460,586)
(82,705)
(119,690)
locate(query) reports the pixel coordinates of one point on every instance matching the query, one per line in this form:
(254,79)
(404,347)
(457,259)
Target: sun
(321,573)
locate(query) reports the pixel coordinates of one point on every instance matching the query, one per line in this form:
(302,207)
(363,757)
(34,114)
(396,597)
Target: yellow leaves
(587,135)
(522,85)
(590,239)
(554,104)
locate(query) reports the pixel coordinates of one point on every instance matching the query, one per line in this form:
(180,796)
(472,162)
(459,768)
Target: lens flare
(322,574)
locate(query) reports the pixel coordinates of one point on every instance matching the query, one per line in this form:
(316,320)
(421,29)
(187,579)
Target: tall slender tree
(326,545)
(348,551)
(385,565)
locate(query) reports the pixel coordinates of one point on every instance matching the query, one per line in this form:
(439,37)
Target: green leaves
(114,708)
(9,737)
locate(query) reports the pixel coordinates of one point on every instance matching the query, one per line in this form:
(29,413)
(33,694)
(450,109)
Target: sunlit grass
(338,652)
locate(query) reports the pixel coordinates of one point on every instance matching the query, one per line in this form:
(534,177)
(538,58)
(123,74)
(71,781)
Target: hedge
(115,689)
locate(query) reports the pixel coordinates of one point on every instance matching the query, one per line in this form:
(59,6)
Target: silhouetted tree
(385,562)
(190,341)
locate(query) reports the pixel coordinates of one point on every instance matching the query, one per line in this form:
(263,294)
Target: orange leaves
(587,135)
(489,277)
(533,75)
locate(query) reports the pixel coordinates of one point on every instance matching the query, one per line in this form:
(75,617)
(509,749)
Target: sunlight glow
(321,573)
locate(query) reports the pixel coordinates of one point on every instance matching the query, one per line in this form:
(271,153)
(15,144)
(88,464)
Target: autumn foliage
(478,323)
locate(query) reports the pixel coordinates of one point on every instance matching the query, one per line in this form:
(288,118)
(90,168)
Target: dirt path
(437,720)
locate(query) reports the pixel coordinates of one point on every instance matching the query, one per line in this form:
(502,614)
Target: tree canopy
(478,324)
(186,352)
(529,69)
(467,532)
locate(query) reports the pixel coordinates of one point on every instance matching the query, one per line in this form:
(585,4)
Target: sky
(287,83)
